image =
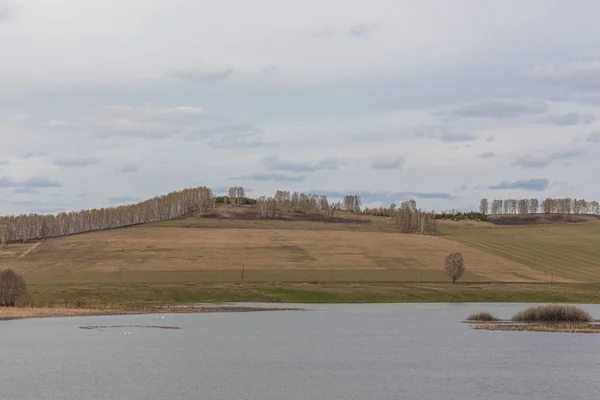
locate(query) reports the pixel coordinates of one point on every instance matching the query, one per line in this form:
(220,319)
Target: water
(384,351)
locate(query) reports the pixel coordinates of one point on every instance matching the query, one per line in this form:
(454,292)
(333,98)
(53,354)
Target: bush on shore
(552,313)
(482,316)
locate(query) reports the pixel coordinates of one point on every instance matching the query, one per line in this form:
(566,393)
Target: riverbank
(11,313)
(144,295)
(539,327)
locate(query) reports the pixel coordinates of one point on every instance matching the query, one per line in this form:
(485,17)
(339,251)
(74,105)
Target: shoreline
(511,326)
(15,313)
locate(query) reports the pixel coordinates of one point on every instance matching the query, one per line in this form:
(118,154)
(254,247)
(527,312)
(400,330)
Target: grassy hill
(570,250)
(304,258)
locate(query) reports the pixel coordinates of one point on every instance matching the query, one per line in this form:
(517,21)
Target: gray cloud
(363,30)
(487,154)
(275,164)
(25,190)
(571,118)
(38,207)
(129,168)
(76,162)
(233,136)
(445,135)
(495,108)
(396,163)
(577,75)
(32,154)
(270,177)
(490,138)
(143,121)
(191,75)
(527,161)
(123,200)
(34,182)
(270,70)
(5,13)
(534,184)
(231,142)
(593,137)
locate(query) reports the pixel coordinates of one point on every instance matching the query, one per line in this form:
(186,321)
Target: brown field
(216,249)
(350,259)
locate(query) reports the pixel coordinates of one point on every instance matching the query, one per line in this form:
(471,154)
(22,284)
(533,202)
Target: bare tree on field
(496,207)
(523,206)
(352,203)
(409,219)
(12,286)
(267,206)
(595,207)
(236,195)
(484,206)
(455,266)
(534,206)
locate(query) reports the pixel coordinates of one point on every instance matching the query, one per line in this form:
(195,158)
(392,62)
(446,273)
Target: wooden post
(419,275)
(552,278)
(243,268)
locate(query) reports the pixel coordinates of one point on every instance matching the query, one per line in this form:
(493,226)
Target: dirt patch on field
(249,214)
(535,219)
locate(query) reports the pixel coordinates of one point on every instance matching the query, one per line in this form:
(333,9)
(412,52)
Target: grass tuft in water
(552,313)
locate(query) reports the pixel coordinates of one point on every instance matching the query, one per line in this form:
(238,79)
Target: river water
(374,351)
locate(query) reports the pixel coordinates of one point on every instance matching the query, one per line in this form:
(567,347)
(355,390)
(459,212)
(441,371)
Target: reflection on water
(386,351)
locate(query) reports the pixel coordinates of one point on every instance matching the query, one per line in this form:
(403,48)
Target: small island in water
(547,318)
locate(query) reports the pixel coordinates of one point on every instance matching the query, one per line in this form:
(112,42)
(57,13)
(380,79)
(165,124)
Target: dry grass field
(169,260)
(569,250)
(194,250)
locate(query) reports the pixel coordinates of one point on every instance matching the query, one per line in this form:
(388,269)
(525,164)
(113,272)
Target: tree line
(160,208)
(286,202)
(565,205)
(407,217)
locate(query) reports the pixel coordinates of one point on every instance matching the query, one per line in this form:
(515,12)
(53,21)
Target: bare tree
(455,266)
(534,206)
(12,286)
(595,207)
(523,206)
(484,206)
(352,203)
(236,195)
(409,219)
(496,207)
(267,206)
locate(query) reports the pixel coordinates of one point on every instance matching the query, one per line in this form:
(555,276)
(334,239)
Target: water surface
(379,351)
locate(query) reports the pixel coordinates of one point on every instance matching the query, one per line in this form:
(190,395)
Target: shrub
(12,286)
(482,316)
(552,313)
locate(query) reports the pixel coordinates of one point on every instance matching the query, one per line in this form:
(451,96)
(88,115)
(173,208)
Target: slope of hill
(567,249)
(219,245)
(231,254)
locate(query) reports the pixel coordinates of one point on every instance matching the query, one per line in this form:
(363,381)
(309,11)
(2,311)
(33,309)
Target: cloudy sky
(104,102)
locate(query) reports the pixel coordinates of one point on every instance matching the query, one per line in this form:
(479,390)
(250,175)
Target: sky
(106,102)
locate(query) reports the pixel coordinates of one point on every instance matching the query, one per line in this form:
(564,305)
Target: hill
(348,258)
(569,249)
(217,246)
